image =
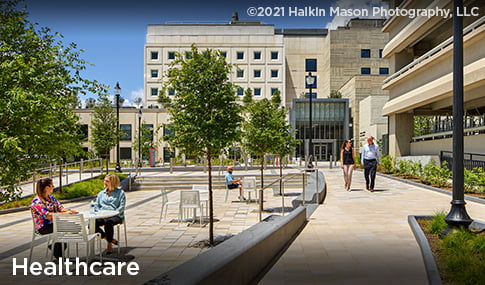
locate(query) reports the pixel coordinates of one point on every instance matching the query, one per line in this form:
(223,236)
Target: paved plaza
(355,237)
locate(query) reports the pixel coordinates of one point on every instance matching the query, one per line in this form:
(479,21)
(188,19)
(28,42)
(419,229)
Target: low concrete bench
(243,258)
(315,190)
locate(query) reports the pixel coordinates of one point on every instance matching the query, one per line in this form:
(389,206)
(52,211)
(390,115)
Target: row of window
(240,91)
(367,70)
(239,55)
(365,53)
(126,131)
(239,73)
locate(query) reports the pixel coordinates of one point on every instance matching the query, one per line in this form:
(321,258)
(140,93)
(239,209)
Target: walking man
(370,159)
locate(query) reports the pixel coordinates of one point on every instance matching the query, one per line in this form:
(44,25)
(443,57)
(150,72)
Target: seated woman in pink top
(43,206)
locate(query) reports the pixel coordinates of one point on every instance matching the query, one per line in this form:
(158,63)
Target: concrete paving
(361,237)
(355,237)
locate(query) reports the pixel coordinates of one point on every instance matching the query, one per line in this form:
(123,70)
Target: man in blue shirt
(370,159)
(233,183)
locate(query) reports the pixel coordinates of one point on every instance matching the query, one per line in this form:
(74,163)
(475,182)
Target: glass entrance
(320,152)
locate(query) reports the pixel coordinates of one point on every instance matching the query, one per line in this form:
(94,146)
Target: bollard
(331,159)
(171,165)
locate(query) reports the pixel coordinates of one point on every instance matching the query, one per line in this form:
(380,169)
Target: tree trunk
(211,210)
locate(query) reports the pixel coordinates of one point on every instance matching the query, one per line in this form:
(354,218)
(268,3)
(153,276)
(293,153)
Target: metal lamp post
(457,217)
(117,94)
(310,80)
(139,138)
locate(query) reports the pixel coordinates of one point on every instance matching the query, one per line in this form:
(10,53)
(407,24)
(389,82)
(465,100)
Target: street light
(139,138)
(457,217)
(117,94)
(310,80)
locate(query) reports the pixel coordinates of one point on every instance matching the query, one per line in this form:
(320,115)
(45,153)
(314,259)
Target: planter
(428,258)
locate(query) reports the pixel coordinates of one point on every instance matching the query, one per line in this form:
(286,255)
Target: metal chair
(204,196)
(189,200)
(36,234)
(249,185)
(123,223)
(72,229)
(165,203)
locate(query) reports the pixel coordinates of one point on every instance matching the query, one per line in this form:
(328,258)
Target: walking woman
(347,162)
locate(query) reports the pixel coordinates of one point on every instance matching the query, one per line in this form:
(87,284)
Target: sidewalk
(361,237)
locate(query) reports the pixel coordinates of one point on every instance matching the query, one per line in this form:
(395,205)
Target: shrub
(474,180)
(405,168)
(416,169)
(438,223)
(388,164)
(464,257)
(435,175)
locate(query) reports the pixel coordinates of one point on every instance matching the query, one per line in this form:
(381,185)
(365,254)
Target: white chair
(165,203)
(249,185)
(71,229)
(227,191)
(123,223)
(189,200)
(36,234)
(204,195)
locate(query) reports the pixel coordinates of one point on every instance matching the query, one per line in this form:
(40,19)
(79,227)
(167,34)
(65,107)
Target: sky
(112,33)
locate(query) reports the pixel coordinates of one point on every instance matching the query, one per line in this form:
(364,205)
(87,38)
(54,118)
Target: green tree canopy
(104,135)
(204,113)
(39,83)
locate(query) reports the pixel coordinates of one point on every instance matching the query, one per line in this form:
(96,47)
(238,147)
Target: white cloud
(341,20)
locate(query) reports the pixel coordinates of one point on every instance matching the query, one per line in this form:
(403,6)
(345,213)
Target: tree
(204,113)
(335,94)
(265,130)
(146,141)
(39,83)
(104,128)
(90,103)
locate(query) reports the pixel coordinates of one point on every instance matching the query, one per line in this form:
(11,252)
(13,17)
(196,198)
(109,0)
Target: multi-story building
(266,60)
(420,51)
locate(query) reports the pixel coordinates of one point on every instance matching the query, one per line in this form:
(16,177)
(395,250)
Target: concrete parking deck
(355,237)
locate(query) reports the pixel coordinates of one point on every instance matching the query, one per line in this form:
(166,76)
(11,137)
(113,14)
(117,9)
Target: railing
(283,179)
(470,160)
(63,170)
(435,50)
(448,134)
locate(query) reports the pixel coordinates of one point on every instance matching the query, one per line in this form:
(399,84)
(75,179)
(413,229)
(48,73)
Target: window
(125,132)
(257,91)
(257,55)
(380,53)
(84,132)
(274,73)
(310,64)
(274,90)
(240,55)
(154,55)
(257,73)
(274,55)
(383,70)
(240,91)
(240,73)
(224,54)
(314,85)
(188,55)
(150,127)
(167,131)
(154,73)
(365,53)
(125,153)
(365,70)
(171,55)
(171,91)
(154,91)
